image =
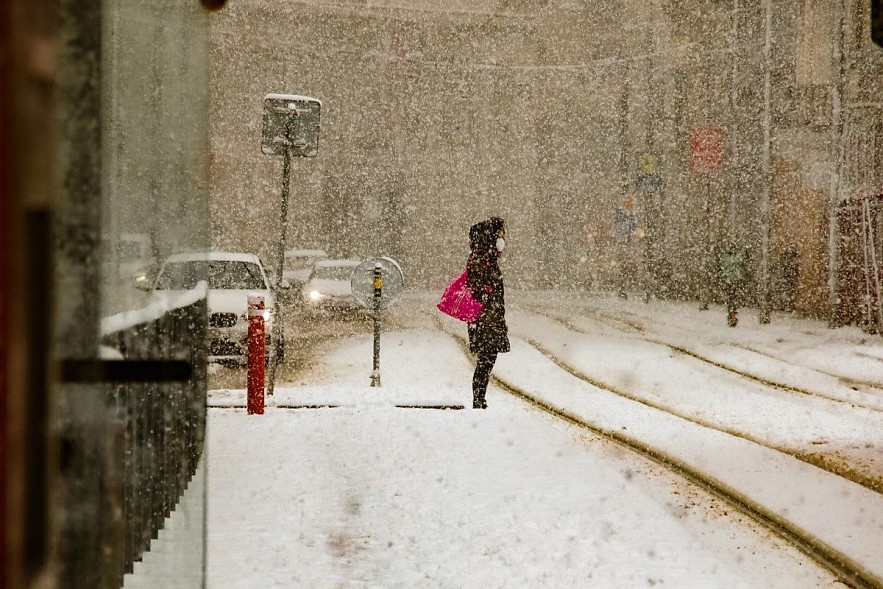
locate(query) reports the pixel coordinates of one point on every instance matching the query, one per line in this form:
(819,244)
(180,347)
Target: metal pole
(867,247)
(874,270)
(651,147)
(764,316)
(705,296)
(378,289)
(834,181)
(734,101)
(648,262)
(280,260)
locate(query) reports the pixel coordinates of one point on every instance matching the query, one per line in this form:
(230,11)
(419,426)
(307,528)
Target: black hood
(483,235)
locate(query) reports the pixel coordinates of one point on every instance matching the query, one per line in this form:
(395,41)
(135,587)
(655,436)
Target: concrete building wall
(541,111)
(433,121)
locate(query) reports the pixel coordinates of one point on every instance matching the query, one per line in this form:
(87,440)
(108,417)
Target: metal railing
(160,425)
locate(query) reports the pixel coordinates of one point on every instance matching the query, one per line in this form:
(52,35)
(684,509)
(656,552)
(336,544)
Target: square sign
(293,121)
(706,149)
(625,223)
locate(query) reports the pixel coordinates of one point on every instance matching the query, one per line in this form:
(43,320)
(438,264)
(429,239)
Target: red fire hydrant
(256,354)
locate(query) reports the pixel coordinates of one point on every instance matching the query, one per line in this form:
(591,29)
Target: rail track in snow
(847,574)
(629,322)
(839,462)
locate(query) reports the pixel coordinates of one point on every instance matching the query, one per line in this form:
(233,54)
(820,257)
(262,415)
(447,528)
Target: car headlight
(315,295)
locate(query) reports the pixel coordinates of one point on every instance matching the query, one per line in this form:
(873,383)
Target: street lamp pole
(834,181)
(764,316)
(734,121)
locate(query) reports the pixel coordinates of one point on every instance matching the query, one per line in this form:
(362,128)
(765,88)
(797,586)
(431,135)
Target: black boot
(478,401)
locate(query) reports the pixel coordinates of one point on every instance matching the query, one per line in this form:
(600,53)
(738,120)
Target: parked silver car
(299,265)
(328,289)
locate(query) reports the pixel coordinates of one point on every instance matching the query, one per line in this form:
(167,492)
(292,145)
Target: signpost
(625,225)
(649,182)
(290,129)
(648,179)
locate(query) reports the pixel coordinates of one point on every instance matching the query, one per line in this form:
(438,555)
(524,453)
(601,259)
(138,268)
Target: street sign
(706,149)
(625,222)
(291,121)
(648,182)
(649,164)
(362,282)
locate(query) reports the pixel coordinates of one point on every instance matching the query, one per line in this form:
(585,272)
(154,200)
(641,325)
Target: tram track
(648,337)
(631,322)
(837,462)
(848,572)
(868,403)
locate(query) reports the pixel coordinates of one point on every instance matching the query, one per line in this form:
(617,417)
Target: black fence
(161,426)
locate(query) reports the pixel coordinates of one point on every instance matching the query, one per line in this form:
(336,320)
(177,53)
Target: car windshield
(334,272)
(221,274)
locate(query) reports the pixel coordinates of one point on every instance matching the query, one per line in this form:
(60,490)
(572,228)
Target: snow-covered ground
(368,493)
(795,386)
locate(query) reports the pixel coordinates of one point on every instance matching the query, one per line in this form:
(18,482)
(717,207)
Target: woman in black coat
(488,336)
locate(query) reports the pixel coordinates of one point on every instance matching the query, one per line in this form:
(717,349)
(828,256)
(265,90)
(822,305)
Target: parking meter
(377,284)
(362,283)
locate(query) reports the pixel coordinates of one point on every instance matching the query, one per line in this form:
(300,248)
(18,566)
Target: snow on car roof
(305,253)
(274,96)
(214,256)
(328,263)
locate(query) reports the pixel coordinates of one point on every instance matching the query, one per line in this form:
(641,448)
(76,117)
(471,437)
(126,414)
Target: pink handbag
(458,302)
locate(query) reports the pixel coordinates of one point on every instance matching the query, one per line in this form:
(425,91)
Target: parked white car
(231,277)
